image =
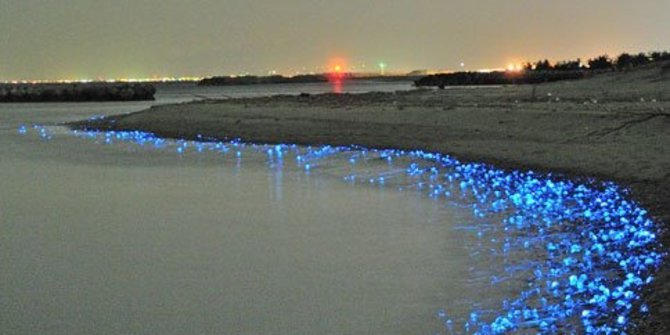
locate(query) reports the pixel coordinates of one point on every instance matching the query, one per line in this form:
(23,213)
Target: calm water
(112,239)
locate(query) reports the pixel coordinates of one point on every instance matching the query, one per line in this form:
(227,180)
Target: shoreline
(88,92)
(613,127)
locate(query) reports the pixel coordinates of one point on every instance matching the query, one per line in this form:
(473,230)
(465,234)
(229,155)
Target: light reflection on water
(548,255)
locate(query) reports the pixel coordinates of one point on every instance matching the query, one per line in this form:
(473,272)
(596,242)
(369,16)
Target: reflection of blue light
(585,250)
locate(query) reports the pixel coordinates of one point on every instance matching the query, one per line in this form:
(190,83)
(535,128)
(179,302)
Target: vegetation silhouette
(76,92)
(544,71)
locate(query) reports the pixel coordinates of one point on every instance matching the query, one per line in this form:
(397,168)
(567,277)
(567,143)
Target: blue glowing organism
(584,249)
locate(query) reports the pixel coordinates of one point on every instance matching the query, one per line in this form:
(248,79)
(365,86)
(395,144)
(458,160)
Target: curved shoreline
(612,127)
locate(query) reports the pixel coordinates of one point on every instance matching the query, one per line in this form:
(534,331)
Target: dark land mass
(301,79)
(499,78)
(98,92)
(256,80)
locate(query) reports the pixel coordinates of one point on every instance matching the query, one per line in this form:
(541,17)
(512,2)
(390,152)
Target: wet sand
(614,126)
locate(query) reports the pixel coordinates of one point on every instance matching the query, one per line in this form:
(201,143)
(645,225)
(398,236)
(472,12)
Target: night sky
(76,39)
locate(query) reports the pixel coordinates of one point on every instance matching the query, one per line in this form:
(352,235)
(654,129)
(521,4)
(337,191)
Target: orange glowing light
(337,68)
(337,65)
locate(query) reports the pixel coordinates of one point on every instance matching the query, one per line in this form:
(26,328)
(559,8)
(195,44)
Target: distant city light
(382,68)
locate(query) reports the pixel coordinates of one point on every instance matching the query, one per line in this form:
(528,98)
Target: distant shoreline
(613,126)
(299,79)
(91,92)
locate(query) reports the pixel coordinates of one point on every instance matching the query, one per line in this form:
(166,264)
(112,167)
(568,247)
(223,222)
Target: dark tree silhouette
(568,65)
(543,71)
(655,56)
(600,63)
(640,59)
(624,61)
(543,65)
(659,55)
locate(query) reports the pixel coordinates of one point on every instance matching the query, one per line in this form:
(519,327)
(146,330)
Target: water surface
(111,238)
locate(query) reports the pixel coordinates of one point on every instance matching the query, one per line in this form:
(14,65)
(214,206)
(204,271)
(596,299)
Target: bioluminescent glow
(583,250)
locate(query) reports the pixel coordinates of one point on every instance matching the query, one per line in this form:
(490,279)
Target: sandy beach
(614,126)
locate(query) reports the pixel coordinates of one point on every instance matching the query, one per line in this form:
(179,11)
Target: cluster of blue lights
(583,250)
